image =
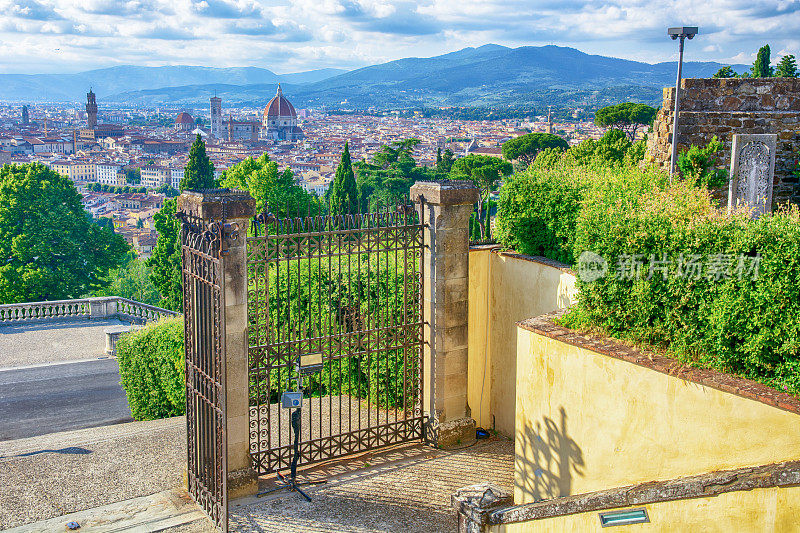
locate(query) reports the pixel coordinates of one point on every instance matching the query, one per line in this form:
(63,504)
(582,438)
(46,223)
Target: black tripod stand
(290,483)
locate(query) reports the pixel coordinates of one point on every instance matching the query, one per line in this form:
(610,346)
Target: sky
(56,36)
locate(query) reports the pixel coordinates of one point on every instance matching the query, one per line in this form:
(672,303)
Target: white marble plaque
(752,171)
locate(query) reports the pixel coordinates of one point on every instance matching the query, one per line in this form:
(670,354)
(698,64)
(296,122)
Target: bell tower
(91,109)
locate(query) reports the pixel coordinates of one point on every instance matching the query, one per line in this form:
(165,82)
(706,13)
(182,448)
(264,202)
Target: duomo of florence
(279,122)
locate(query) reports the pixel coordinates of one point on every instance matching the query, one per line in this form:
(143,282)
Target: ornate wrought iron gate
(204,335)
(338,298)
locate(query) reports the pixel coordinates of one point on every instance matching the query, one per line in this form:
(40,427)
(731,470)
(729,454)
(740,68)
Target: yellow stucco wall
(755,511)
(503,290)
(587,421)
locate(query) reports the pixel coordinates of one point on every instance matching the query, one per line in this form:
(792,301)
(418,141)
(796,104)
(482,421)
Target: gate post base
(242,483)
(455,433)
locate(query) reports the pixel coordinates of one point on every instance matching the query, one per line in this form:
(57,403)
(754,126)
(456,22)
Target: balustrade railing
(103,307)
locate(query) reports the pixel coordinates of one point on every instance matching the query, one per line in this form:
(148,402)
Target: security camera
(685,31)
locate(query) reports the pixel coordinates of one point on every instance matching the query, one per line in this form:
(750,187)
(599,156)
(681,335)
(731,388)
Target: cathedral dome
(184,118)
(279,106)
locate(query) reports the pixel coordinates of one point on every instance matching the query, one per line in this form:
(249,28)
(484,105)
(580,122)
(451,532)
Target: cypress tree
(199,172)
(761,68)
(344,193)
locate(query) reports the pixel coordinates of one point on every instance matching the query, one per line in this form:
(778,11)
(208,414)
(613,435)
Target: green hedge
(634,219)
(151,368)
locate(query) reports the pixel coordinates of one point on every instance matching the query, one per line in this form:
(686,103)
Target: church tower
(26,119)
(91,109)
(216,117)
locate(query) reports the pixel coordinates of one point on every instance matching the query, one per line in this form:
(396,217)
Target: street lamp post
(679,34)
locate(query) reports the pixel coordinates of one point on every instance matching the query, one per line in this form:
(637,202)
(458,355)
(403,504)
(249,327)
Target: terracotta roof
(184,118)
(279,106)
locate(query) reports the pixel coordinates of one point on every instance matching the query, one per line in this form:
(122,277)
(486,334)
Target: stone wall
(723,107)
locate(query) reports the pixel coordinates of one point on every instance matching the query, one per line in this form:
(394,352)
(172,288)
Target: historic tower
(26,119)
(91,109)
(216,117)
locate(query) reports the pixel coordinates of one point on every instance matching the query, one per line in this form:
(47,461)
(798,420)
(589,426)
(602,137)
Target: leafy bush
(151,368)
(700,164)
(652,235)
(537,211)
(738,316)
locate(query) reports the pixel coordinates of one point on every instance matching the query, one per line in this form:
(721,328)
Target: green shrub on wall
(537,211)
(151,368)
(681,275)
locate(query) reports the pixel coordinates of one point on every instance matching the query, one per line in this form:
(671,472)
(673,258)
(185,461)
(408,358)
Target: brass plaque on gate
(311,363)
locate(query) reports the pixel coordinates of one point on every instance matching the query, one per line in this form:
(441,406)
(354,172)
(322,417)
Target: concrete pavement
(60,473)
(60,397)
(53,340)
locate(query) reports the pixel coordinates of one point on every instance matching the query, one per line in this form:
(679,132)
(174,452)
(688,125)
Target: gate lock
(292,399)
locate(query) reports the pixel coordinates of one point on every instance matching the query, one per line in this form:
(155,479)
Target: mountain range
(109,81)
(489,75)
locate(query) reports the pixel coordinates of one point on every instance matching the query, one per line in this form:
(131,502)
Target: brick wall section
(545,325)
(723,107)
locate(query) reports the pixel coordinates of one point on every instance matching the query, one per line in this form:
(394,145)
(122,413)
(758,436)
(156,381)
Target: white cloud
(290,35)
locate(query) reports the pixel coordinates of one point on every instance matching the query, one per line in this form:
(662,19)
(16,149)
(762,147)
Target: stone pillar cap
(208,203)
(456,192)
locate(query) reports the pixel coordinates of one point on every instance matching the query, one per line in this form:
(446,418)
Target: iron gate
(204,334)
(339,299)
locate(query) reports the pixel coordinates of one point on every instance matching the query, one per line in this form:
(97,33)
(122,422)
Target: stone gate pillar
(236,209)
(445,209)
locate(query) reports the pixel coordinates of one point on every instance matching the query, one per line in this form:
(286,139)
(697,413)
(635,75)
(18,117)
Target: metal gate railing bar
(204,333)
(341,295)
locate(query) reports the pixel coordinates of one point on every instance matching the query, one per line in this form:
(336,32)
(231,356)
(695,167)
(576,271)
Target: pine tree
(344,194)
(787,67)
(761,68)
(199,172)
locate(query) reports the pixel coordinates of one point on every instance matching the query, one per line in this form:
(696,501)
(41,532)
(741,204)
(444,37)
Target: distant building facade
(106,173)
(184,122)
(154,176)
(91,110)
(216,117)
(242,130)
(280,120)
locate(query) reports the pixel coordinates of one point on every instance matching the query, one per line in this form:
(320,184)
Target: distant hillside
(114,80)
(487,75)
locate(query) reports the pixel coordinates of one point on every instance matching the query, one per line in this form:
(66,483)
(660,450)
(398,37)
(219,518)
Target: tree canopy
(626,116)
(131,281)
(199,171)
(390,175)
(485,172)
(49,247)
(527,147)
(344,191)
(165,261)
(787,67)
(272,190)
(445,164)
(725,72)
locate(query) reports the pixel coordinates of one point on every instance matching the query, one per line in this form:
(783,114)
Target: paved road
(61,397)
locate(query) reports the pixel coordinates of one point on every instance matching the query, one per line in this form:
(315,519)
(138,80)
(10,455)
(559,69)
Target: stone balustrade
(103,307)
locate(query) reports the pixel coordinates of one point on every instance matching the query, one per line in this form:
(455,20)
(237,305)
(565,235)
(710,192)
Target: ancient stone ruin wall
(723,107)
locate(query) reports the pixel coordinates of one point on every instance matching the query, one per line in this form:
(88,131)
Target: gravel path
(410,495)
(52,475)
(53,340)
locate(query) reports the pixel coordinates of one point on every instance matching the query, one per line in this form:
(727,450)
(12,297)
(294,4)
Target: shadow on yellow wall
(551,457)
